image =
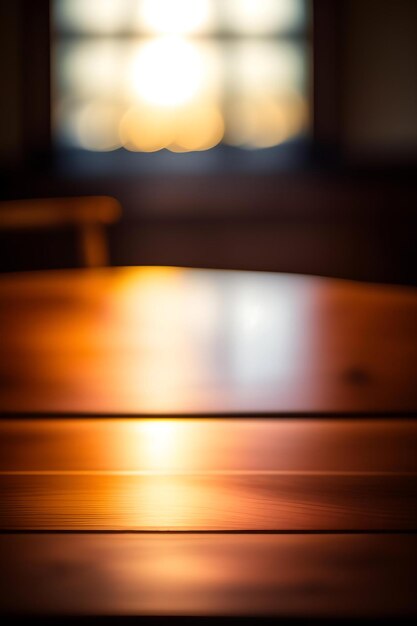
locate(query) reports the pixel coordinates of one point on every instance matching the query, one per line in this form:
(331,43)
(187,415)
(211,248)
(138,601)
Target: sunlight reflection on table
(206,474)
(172,341)
(237,333)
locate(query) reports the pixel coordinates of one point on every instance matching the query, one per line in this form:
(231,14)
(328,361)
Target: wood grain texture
(74,480)
(330,576)
(178,341)
(208,445)
(207,503)
(208,474)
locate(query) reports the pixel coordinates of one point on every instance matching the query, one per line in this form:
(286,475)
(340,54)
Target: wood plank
(328,576)
(208,474)
(173,341)
(208,445)
(208,503)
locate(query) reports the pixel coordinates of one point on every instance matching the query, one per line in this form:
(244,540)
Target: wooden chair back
(90,215)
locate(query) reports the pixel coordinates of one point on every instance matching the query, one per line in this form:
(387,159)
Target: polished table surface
(113,511)
(289,517)
(181,341)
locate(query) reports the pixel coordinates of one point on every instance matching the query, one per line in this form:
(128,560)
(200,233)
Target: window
(179,75)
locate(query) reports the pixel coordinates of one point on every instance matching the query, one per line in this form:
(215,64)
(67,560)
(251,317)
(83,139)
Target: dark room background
(341,202)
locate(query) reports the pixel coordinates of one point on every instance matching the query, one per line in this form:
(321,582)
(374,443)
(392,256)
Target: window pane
(266,102)
(262,17)
(175,90)
(155,17)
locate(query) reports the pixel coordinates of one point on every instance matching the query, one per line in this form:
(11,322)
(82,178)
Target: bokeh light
(265,121)
(176,17)
(97,127)
(200,128)
(90,68)
(93,16)
(263,16)
(166,71)
(146,129)
(183,75)
(93,125)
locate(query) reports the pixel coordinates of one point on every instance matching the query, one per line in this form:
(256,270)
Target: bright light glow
(174,91)
(97,16)
(267,67)
(91,69)
(153,315)
(266,121)
(158,441)
(176,16)
(269,107)
(200,128)
(263,16)
(147,129)
(96,126)
(179,16)
(166,71)
(268,332)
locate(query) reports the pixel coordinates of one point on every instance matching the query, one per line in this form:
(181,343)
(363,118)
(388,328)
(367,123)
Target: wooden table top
(287,517)
(208,475)
(126,514)
(183,341)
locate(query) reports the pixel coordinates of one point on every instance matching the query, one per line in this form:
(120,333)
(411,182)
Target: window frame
(325,96)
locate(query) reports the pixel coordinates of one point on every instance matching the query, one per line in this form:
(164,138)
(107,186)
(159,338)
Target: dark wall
(10,57)
(380,80)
